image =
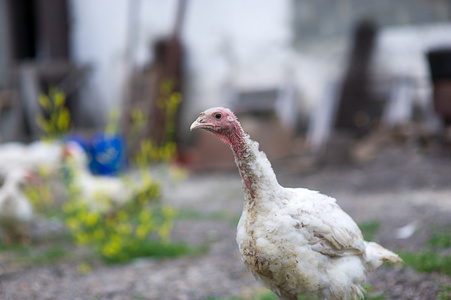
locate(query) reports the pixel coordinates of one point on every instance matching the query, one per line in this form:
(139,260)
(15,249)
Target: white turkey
(37,154)
(296,241)
(102,193)
(16,211)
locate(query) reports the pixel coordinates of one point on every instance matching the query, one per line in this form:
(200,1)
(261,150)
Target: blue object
(108,154)
(79,139)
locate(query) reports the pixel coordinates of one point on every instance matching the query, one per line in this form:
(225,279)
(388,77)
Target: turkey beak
(193,126)
(199,123)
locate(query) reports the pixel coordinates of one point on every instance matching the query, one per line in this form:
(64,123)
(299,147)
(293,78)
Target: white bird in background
(406,231)
(101,192)
(16,211)
(32,156)
(296,241)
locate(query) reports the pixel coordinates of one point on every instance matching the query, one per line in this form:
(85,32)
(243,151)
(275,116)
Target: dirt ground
(396,188)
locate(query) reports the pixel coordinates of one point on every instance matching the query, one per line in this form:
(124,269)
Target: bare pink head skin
(222,122)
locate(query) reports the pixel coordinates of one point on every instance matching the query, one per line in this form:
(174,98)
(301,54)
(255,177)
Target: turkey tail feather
(376,255)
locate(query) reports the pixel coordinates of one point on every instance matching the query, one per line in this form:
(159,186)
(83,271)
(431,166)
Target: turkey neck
(254,167)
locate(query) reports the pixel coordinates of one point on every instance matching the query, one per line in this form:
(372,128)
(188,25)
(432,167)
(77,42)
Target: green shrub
(55,121)
(140,227)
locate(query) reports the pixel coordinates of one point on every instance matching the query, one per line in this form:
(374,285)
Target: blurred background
(350,97)
(298,68)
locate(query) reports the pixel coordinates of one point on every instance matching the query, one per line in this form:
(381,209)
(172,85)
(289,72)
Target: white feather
(16,211)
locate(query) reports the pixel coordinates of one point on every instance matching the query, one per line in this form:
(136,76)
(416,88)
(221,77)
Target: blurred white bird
(101,192)
(16,211)
(406,231)
(32,156)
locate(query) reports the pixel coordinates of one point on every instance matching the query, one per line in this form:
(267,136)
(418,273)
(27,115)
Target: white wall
(98,38)
(243,43)
(238,43)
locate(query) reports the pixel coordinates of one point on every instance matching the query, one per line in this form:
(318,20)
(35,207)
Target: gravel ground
(395,189)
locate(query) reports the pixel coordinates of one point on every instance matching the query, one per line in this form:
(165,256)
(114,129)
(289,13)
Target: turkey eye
(218,116)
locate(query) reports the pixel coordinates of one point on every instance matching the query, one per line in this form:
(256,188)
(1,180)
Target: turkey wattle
(296,241)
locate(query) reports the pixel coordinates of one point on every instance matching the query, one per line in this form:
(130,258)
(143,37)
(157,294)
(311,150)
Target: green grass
(270,296)
(38,254)
(157,249)
(192,214)
(51,255)
(149,249)
(430,259)
(370,295)
(34,255)
(445,292)
(440,239)
(370,229)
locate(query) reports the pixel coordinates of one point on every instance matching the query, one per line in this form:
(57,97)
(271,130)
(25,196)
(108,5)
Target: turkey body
(296,241)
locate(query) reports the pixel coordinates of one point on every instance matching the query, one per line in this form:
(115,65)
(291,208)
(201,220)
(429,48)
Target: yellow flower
(141,231)
(115,240)
(110,222)
(113,120)
(32,194)
(164,231)
(47,126)
(99,234)
(68,207)
(169,212)
(44,171)
(63,120)
(125,228)
(91,219)
(146,146)
(46,194)
(155,192)
(122,216)
(80,215)
(178,174)
(84,268)
(45,102)
(137,116)
(145,216)
(60,99)
(73,223)
(175,99)
(81,238)
(109,250)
